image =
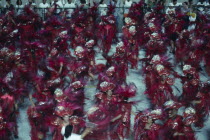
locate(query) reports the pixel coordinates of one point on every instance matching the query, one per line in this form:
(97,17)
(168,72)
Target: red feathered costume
(145,128)
(107,31)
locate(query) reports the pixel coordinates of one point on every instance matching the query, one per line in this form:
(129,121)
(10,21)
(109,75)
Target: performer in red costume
(182,47)
(127,31)
(78,124)
(133,47)
(107,30)
(106,97)
(4,127)
(77,29)
(80,66)
(190,117)
(91,23)
(125,92)
(156,44)
(55,63)
(120,59)
(91,56)
(145,127)
(8,26)
(174,25)
(29,22)
(38,130)
(159,80)
(201,104)
(190,82)
(75,94)
(161,91)
(8,111)
(173,125)
(207,58)
(197,49)
(130,35)
(62,110)
(107,123)
(39,114)
(13,73)
(150,78)
(99,116)
(90,50)
(108,75)
(61,43)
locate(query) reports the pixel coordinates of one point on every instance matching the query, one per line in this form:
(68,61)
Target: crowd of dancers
(50,62)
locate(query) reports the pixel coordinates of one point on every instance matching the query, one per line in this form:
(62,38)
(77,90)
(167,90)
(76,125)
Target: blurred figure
(127,5)
(170,9)
(208,133)
(44,4)
(207,9)
(119,3)
(185,8)
(31,3)
(151,4)
(19,6)
(161,2)
(202,4)
(112,2)
(8,5)
(103,8)
(207,2)
(84,4)
(77,2)
(175,3)
(58,3)
(70,5)
(190,2)
(96,1)
(192,18)
(173,6)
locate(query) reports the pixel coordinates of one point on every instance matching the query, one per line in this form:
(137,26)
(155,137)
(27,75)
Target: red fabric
(189,133)
(100,117)
(125,31)
(57,134)
(4,134)
(141,133)
(126,91)
(160,93)
(124,126)
(190,87)
(37,124)
(122,66)
(182,47)
(79,125)
(173,125)
(91,55)
(155,47)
